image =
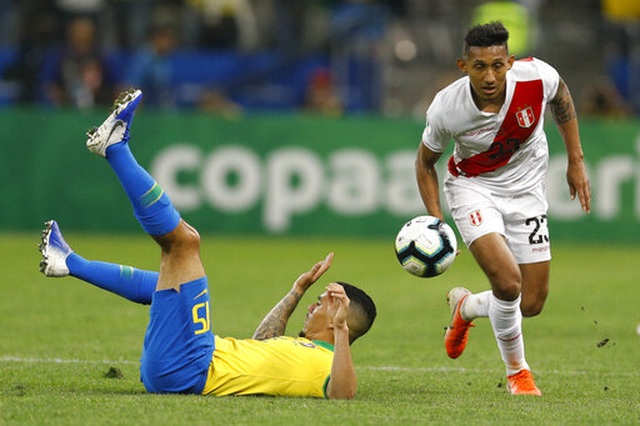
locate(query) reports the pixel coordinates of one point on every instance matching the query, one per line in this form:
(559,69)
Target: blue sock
(131,283)
(151,205)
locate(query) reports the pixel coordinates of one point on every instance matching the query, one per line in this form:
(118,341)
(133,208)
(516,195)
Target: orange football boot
(522,383)
(457,334)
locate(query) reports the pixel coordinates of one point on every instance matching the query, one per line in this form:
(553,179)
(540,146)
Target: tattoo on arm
(562,107)
(275,322)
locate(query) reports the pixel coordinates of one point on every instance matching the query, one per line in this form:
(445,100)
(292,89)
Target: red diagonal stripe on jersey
(519,122)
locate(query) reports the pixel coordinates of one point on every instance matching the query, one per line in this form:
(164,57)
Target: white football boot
(115,128)
(54,250)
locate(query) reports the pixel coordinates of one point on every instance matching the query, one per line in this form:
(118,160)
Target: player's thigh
(527,233)
(535,287)
(526,227)
(180,261)
(496,260)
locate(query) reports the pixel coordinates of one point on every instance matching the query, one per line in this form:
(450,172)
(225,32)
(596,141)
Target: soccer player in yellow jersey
(180,353)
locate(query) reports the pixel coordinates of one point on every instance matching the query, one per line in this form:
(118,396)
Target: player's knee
(182,239)
(507,292)
(530,307)
(189,237)
(531,310)
(506,285)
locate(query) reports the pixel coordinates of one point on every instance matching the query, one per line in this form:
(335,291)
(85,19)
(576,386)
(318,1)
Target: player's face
(487,70)
(318,318)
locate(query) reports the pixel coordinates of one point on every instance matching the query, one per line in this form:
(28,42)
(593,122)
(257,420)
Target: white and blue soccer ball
(426,246)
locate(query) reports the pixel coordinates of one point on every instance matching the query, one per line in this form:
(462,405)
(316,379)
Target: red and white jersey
(505,151)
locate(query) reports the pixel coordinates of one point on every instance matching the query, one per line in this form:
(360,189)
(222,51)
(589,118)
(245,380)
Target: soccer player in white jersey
(494,185)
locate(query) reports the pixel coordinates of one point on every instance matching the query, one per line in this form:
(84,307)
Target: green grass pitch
(69,352)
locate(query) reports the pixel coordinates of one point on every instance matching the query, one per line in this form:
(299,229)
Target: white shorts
(521,219)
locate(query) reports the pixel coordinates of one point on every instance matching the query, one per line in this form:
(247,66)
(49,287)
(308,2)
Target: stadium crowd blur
(329,57)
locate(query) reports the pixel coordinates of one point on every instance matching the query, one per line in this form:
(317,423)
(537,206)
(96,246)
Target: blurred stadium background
(288,116)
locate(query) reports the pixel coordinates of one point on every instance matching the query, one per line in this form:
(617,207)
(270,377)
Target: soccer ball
(426,246)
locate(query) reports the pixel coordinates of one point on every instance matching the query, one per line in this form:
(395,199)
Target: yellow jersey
(280,366)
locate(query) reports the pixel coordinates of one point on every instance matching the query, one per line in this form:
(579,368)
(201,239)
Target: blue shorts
(179,344)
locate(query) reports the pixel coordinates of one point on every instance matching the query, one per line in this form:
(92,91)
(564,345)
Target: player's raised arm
(275,322)
(343,382)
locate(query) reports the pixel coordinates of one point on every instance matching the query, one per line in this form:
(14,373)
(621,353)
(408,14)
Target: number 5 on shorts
(202,320)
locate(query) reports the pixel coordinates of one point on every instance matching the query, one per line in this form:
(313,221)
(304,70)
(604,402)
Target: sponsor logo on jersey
(477,132)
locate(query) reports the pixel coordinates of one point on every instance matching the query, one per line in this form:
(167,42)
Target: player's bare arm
(564,114)
(562,107)
(427,178)
(275,322)
(343,383)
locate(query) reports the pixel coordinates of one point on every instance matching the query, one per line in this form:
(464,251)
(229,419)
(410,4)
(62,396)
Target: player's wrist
(576,158)
(343,328)
(298,290)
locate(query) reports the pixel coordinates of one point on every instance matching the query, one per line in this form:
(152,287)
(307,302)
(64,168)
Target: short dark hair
(363,303)
(493,33)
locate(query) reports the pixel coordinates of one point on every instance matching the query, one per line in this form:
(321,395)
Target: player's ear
(462,65)
(510,61)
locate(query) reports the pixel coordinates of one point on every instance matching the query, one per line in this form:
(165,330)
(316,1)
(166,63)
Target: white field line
(499,371)
(31,360)
(391,368)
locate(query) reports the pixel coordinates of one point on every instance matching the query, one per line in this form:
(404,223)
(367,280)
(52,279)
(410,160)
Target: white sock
(476,306)
(506,320)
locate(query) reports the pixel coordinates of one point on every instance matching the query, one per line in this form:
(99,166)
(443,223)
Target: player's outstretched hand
(307,279)
(338,304)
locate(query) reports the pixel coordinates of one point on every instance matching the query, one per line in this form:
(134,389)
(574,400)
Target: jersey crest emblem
(525,117)
(475,218)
